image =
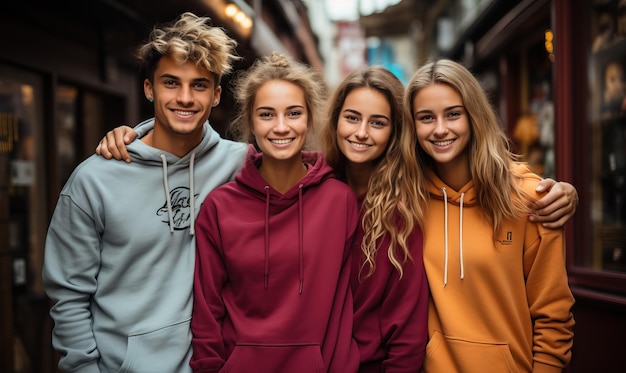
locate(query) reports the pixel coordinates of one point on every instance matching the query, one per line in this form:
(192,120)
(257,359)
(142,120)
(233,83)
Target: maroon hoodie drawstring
(301,238)
(267,233)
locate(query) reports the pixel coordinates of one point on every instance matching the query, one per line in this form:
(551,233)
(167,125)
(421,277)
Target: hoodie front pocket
(275,358)
(166,350)
(448,354)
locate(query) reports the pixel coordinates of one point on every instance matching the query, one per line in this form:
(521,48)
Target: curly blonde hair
(396,194)
(276,67)
(189,38)
(491,159)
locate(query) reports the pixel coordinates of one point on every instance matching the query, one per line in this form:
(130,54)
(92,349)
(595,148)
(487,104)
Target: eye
(378,123)
(425,118)
(294,113)
(266,115)
(170,83)
(200,86)
(454,114)
(351,118)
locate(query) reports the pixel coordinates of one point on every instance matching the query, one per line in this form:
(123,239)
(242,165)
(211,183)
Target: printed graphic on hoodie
(180,201)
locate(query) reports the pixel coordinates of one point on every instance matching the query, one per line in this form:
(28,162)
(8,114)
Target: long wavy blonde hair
(396,194)
(491,160)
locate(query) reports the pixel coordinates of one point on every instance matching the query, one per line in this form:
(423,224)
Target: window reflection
(608,136)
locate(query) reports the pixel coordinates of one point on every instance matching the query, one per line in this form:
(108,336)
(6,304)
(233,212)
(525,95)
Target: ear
(217,96)
(147,90)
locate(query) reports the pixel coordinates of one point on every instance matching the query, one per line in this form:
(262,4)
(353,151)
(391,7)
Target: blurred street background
(554,70)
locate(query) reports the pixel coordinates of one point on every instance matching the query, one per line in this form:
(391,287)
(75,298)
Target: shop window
(66,108)
(607,137)
(82,118)
(533,131)
(23,222)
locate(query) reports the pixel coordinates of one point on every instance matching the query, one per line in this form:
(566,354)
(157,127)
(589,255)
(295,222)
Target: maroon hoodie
(271,285)
(391,314)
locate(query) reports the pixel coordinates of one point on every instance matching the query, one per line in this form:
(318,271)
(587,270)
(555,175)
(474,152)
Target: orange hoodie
(502,306)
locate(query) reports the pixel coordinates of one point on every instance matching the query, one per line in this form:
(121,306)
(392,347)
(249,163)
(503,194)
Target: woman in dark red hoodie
(370,148)
(271,287)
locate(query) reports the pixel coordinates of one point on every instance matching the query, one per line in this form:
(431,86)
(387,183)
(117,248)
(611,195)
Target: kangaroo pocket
(448,354)
(275,358)
(165,350)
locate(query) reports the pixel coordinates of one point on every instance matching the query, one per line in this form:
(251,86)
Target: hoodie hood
(317,171)
(144,154)
(275,202)
(436,188)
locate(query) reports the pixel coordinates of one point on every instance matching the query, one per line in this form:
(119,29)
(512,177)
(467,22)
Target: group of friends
(412,240)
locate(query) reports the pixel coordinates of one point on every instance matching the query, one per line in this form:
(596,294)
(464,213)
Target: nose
(441,129)
(281,125)
(185,96)
(361,131)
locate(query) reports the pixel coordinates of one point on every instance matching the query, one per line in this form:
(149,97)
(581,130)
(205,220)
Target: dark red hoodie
(391,314)
(271,286)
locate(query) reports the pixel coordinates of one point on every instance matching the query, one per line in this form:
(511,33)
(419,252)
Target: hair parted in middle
(490,156)
(276,66)
(189,38)
(396,193)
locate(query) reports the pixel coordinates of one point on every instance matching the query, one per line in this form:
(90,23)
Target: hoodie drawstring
(445,238)
(267,233)
(461,236)
(192,197)
(445,225)
(167,193)
(300,237)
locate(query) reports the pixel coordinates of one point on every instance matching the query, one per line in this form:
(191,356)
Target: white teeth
(443,143)
(359,145)
(183,113)
(281,141)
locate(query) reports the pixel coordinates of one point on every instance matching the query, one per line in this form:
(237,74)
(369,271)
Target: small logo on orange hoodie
(508,240)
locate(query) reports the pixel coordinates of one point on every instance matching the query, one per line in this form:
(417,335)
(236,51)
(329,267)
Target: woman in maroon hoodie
(271,288)
(372,152)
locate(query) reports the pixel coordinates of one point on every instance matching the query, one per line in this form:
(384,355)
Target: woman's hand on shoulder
(113,144)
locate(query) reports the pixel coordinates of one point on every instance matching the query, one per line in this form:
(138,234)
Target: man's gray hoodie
(119,255)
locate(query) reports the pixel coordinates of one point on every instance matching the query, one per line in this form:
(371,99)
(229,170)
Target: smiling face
(184,95)
(280,120)
(443,127)
(364,126)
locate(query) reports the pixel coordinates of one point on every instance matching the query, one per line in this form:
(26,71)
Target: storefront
(53,110)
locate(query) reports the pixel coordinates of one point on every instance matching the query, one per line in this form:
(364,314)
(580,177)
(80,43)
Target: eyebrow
(445,109)
(372,116)
(287,108)
(174,77)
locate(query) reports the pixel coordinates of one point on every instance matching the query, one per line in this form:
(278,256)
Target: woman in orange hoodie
(500,300)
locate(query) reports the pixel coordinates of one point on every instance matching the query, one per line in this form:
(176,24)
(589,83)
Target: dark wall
(599,337)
